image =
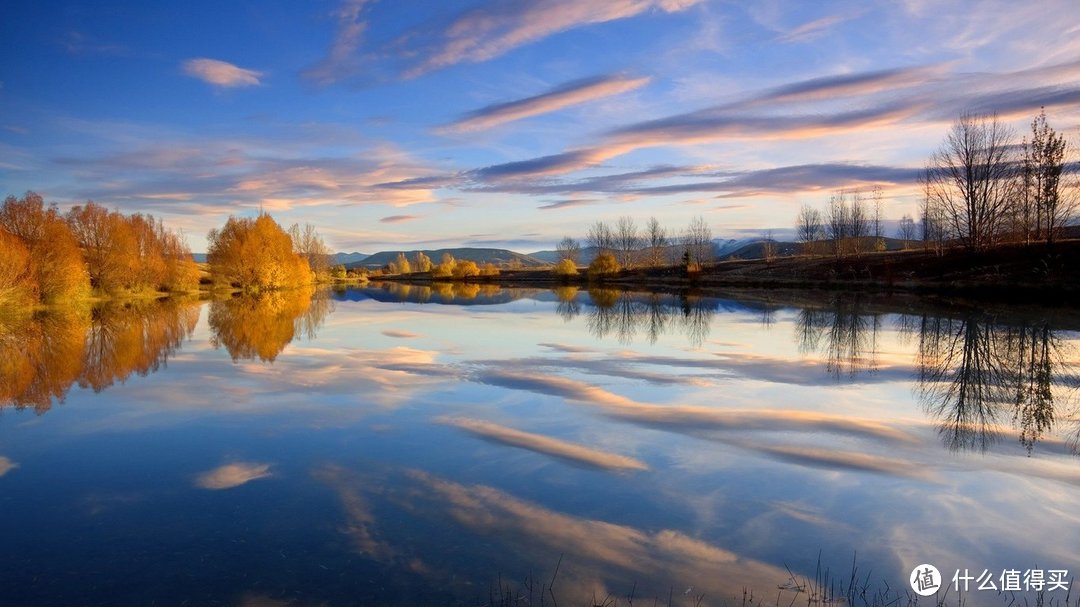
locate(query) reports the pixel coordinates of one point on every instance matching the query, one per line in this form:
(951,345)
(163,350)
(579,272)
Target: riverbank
(1010,272)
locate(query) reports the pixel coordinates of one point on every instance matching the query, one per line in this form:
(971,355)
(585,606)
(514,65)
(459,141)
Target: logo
(925,580)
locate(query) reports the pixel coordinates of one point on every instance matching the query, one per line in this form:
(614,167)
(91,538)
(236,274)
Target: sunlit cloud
(232,475)
(494,28)
(6,465)
(221,73)
(547,445)
(566,95)
(400,334)
(700,417)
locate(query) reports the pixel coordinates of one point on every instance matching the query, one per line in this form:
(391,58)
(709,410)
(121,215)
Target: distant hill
(499,257)
(344,259)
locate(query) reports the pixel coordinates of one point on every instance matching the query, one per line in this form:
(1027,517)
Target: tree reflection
(43,355)
(623,314)
(843,332)
(976,376)
(260,326)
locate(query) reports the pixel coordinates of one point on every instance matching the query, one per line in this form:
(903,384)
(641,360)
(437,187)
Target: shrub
(463,268)
(565,267)
(604,265)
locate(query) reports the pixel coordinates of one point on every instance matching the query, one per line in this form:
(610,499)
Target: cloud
(495,28)
(546,445)
(398,218)
(232,475)
(400,334)
(221,73)
(694,416)
(566,95)
(6,465)
(341,61)
(567,203)
(811,30)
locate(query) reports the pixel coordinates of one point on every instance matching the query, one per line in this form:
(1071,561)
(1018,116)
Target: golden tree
(255,254)
(58,266)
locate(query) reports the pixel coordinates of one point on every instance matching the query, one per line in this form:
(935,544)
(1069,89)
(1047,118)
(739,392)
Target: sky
(393,125)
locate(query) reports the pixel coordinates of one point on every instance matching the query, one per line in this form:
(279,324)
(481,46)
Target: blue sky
(495,123)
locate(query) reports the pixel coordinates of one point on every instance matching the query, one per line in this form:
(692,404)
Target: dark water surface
(409,445)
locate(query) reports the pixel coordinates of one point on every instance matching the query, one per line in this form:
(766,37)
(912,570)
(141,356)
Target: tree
(445,268)
(401,263)
(971,179)
(565,267)
(421,262)
(310,245)
(59,272)
(877,214)
(600,238)
(489,269)
(837,225)
(17,284)
(697,241)
(658,242)
(906,229)
(255,255)
(603,265)
(464,268)
(107,243)
(627,240)
(569,249)
(808,228)
(859,223)
(1044,206)
(768,246)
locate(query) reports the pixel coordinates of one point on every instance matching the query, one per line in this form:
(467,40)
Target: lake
(415,445)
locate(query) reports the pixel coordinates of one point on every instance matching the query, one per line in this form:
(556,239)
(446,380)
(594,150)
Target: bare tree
(768,246)
(627,240)
(859,223)
(569,248)
(836,222)
(971,179)
(697,241)
(657,237)
(877,214)
(808,228)
(906,230)
(600,238)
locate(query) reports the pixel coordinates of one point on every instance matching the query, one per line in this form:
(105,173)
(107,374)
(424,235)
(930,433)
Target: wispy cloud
(232,475)
(566,95)
(398,218)
(545,444)
(812,30)
(6,465)
(341,60)
(78,43)
(221,73)
(495,28)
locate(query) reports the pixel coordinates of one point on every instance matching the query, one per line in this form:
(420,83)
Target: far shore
(1014,272)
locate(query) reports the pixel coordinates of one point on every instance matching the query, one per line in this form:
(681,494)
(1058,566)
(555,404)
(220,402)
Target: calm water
(399,445)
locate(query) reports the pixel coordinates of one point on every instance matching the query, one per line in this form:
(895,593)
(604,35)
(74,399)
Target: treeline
(624,245)
(980,188)
(448,267)
(50,257)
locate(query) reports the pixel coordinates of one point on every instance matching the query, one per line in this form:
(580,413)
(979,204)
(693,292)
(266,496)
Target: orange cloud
(221,73)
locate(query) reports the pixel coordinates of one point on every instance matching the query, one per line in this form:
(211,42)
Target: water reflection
(43,355)
(260,326)
(844,332)
(976,376)
(624,314)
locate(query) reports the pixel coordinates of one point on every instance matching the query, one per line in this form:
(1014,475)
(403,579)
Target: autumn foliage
(256,255)
(60,258)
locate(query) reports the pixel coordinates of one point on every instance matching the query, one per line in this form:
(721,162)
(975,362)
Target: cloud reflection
(232,475)
(6,465)
(546,445)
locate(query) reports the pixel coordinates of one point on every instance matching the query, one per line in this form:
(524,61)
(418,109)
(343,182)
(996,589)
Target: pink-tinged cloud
(812,30)
(495,28)
(398,218)
(569,94)
(545,444)
(221,73)
(232,475)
